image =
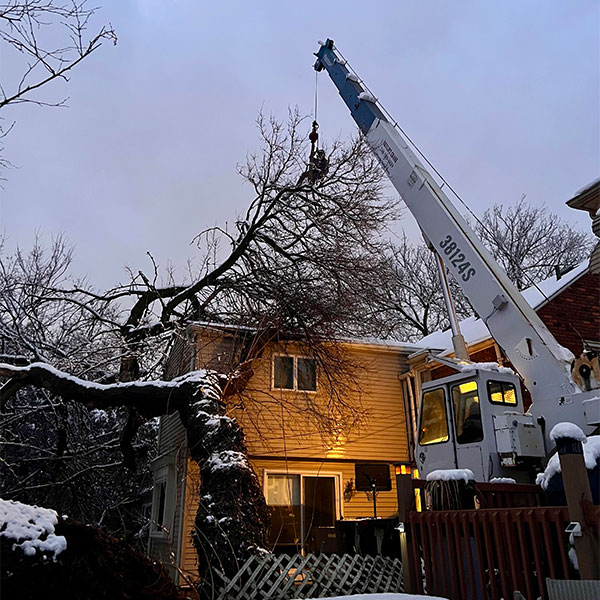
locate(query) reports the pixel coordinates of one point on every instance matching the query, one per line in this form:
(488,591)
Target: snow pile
(383,597)
(591,454)
(226,460)
(567,430)
(367,97)
(502,480)
(489,366)
(451,475)
(31,527)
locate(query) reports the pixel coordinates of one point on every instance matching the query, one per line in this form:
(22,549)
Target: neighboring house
(588,199)
(313,476)
(568,305)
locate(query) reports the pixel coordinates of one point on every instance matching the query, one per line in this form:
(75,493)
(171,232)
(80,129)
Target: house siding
(280,440)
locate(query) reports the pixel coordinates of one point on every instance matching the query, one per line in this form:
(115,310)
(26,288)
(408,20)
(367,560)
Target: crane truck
(475,418)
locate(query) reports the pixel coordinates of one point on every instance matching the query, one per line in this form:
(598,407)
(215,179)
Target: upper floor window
(294,373)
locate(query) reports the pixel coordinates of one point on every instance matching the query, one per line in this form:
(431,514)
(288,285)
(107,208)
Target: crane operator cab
(474,420)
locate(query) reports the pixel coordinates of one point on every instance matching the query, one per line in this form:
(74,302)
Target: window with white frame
(163,498)
(294,373)
(300,502)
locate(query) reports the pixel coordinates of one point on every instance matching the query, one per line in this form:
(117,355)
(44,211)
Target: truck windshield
(434,424)
(467,412)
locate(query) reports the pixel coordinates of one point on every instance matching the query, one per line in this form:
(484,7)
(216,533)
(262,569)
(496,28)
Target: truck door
(468,427)
(435,448)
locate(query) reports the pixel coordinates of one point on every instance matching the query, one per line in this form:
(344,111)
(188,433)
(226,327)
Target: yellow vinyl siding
(281,437)
(274,425)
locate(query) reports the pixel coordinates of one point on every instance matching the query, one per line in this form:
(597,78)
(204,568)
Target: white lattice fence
(284,577)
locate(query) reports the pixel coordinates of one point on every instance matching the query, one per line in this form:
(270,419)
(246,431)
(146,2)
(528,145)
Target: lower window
(300,503)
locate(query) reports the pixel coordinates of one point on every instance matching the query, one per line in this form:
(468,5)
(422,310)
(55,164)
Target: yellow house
(315,471)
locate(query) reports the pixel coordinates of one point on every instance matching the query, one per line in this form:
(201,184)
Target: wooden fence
(508,542)
(283,577)
(490,553)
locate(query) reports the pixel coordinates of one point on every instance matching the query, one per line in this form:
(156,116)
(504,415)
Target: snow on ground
(591,453)
(31,527)
(382,597)
(451,475)
(567,430)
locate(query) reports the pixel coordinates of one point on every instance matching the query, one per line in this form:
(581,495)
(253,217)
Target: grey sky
(503,97)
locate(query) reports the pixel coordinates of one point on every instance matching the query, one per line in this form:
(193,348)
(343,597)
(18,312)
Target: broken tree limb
(149,398)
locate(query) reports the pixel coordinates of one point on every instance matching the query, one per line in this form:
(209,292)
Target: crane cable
(316,95)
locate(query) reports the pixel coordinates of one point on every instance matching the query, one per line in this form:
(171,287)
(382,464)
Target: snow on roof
(474,329)
(31,528)
(585,188)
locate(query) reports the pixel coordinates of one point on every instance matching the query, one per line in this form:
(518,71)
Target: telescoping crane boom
(506,437)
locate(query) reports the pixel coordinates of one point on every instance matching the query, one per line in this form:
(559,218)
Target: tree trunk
(233,518)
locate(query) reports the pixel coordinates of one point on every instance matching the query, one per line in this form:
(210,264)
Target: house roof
(474,329)
(587,198)
(380,343)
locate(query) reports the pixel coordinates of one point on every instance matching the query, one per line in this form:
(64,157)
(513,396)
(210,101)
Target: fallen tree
(297,260)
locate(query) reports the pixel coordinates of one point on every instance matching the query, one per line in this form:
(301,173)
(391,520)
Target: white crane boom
(533,351)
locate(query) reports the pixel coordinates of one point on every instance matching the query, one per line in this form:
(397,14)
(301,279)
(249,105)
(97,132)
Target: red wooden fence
(489,553)
(509,542)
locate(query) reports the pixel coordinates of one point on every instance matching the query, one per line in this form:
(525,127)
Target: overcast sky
(503,97)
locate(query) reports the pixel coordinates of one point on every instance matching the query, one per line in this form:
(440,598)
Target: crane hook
(318,164)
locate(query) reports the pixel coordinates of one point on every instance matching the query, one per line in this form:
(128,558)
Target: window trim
(489,395)
(295,358)
(338,478)
(164,473)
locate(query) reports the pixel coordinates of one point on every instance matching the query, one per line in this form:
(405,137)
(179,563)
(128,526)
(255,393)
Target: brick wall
(575,313)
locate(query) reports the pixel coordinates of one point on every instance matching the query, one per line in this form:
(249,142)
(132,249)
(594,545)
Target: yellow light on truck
(470,386)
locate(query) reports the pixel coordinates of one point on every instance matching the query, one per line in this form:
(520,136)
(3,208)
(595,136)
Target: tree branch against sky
(530,242)
(293,264)
(44,40)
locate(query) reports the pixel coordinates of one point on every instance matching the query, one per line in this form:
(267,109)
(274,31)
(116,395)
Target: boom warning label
(387,157)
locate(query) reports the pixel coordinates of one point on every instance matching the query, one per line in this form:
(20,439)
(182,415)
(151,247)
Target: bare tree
(56,451)
(306,248)
(49,38)
(409,303)
(530,243)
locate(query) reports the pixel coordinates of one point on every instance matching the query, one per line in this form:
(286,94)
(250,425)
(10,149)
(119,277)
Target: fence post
(577,490)
(406,500)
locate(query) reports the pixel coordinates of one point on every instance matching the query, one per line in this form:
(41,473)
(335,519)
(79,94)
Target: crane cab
(474,420)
